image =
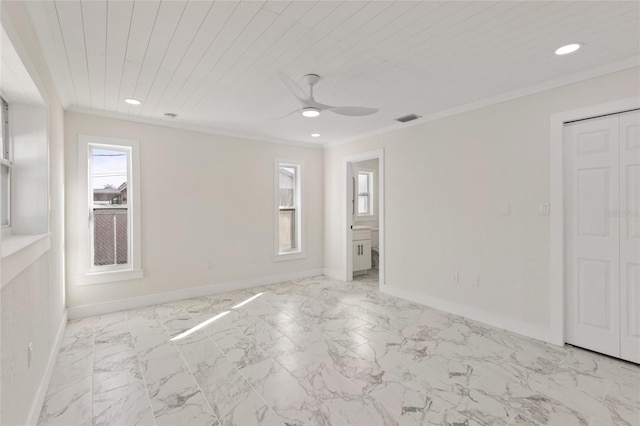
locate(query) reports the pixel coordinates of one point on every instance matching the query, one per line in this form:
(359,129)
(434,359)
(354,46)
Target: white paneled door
(602,234)
(630,236)
(591,235)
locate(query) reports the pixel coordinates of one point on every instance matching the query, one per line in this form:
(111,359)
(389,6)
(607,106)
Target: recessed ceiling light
(315,135)
(569,48)
(310,112)
(132,101)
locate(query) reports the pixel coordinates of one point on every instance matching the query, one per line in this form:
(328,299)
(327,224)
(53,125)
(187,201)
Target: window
(365,193)
(112,180)
(288,183)
(110,213)
(5,161)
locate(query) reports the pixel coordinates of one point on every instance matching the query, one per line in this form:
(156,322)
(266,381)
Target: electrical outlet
(543,209)
(476,282)
(455,277)
(29,354)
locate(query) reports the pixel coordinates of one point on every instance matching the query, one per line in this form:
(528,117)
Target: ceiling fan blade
(293,87)
(295,111)
(353,111)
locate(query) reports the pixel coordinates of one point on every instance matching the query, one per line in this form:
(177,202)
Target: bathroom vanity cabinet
(361,249)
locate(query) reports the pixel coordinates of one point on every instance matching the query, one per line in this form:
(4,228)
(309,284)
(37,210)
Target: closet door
(630,236)
(592,243)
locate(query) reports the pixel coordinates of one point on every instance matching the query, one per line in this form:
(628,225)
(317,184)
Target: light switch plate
(543,209)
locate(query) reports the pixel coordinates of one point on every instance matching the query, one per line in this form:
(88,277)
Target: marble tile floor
(323,352)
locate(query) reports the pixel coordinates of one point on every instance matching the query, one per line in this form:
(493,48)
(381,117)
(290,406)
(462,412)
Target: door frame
(347,163)
(556,237)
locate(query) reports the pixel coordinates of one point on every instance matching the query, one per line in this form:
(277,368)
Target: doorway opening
(365,217)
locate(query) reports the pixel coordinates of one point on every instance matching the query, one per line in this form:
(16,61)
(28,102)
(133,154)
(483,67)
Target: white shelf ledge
(21,251)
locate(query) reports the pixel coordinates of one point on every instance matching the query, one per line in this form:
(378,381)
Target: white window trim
(133,270)
(8,162)
(300,234)
(6,229)
(372,201)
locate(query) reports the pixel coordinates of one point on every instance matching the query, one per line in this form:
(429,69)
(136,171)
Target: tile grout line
(193,377)
(536,384)
(240,374)
(93,368)
(604,397)
(296,378)
(144,379)
(255,390)
(198,385)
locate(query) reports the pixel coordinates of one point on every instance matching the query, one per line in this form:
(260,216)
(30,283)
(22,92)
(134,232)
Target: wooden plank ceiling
(215,64)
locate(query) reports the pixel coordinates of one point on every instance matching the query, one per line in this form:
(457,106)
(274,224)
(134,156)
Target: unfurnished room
(319,212)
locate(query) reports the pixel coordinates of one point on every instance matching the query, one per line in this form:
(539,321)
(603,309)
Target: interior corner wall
(446,182)
(32,304)
(204,198)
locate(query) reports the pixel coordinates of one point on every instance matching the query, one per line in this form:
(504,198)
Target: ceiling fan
(311,108)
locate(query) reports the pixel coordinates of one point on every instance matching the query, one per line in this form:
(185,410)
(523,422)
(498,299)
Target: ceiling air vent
(406,118)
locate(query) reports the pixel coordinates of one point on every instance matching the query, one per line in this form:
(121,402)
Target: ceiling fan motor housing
(311,79)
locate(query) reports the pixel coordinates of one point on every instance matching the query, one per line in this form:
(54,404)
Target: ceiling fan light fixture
(568,48)
(310,112)
(315,135)
(132,101)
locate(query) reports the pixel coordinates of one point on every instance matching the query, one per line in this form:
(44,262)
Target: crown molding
(187,126)
(515,94)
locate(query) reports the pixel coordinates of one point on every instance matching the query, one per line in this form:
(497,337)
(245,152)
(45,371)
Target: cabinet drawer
(361,234)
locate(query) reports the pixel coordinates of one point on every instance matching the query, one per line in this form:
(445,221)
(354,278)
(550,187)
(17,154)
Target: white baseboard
(188,293)
(500,321)
(38,400)
(336,275)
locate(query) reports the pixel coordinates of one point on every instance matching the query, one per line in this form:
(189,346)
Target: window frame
(6,157)
(371,178)
(90,274)
(299,251)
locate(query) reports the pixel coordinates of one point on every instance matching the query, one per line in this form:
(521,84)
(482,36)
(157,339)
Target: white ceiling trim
(525,91)
(186,126)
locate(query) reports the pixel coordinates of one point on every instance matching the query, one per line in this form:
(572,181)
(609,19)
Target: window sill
(110,276)
(289,256)
(370,218)
(21,251)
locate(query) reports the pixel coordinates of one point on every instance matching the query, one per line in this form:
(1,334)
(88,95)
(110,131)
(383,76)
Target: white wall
(30,173)
(203,198)
(445,184)
(24,305)
(33,302)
